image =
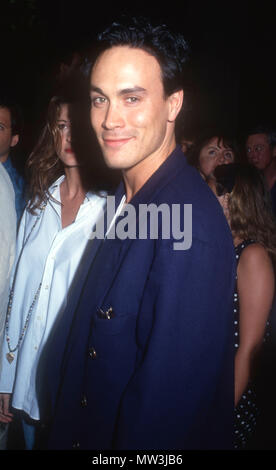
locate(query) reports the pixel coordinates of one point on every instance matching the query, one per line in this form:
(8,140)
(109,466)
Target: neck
(137,176)
(72,185)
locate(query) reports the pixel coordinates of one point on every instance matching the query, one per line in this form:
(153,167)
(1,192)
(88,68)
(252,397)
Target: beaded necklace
(10,354)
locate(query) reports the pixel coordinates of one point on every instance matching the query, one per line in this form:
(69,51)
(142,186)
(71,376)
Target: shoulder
(6,183)
(254,254)
(254,261)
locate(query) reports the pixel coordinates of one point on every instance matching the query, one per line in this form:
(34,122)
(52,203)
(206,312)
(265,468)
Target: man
(143,356)
(7,249)
(9,137)
(260,143)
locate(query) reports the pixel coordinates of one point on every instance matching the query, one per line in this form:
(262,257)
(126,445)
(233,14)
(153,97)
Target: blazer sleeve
(181,393)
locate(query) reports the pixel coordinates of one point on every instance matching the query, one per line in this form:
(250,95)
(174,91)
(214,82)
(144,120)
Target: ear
(175,104)
(14,140)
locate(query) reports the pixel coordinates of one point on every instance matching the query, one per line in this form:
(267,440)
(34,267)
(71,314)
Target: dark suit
(159,373)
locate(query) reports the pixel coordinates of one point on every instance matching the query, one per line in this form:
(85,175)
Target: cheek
(138,119)
(151,116)
(5,141)
(206,165)
(60,145)
(93,119)
(97,118)
(267,159)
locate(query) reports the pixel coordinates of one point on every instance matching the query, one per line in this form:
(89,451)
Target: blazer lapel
(112,252)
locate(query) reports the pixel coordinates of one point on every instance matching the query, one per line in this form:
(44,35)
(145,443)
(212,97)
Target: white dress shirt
(51,257)
(7,244)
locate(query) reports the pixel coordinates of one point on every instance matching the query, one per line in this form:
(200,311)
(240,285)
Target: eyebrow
(125,91)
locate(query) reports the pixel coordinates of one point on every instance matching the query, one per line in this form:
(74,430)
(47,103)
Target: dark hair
(227,140)
(169,48)
(249,204)
(15,112)
(260,129)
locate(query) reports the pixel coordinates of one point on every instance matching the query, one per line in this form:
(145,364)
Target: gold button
(84,401)
(92,353)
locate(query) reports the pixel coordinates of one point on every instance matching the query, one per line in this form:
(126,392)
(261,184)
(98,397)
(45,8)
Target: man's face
(130,114)
(258,151)
(7,140)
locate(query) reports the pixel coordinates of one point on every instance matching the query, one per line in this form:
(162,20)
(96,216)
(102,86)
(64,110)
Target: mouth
(115,143)
(69,150)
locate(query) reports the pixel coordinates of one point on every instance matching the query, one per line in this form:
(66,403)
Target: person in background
(242,193)
(212,149)
(10,129)
(53,233)
(7,251)
(186,145)
(260,144)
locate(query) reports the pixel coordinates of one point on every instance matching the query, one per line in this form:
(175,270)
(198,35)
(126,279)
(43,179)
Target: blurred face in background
(214,153)
(186,145)
(65,150)
(7,139)
(258,151)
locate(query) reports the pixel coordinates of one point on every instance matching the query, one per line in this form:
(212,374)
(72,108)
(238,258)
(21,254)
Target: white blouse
(7,243)
(50,256)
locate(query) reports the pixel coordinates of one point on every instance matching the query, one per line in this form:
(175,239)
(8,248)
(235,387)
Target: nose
(113,118)
(221,159)
(254,154)
(68,134)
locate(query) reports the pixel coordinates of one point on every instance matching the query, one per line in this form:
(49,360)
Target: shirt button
(76,445)
(92,353)
(83,401)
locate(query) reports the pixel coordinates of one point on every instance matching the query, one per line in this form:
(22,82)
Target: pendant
(10,357)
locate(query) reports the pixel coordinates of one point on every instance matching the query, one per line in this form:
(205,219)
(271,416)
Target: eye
(98,101)
(62,127)
(132,99)
(2,128)
(212,153)
(228,155)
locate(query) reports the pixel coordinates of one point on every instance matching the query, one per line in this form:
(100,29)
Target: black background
(232,54)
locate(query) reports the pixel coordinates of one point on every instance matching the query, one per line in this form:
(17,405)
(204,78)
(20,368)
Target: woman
(52,237)
(212,150)
(242,192)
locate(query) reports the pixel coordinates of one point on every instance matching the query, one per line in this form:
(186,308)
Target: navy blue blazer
(159,373)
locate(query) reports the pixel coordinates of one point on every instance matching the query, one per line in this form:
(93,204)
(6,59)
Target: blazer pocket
(112,326)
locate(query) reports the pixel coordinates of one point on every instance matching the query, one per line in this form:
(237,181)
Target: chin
(116,162)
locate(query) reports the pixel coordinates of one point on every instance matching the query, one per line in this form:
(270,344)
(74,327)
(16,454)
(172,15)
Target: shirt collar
(90,195)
